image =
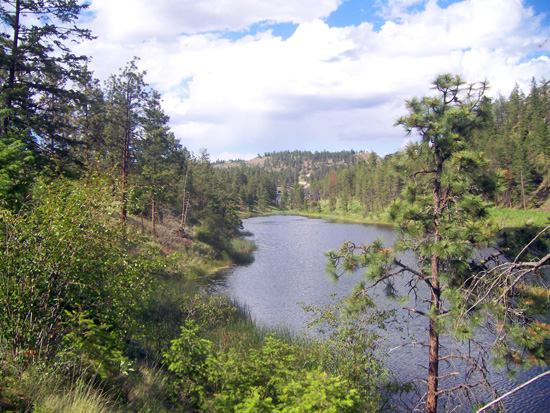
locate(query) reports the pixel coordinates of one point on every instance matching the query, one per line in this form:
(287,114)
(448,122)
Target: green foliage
(269,379)
(160,162)
(63,259)
(440,215)
(37,67)
(187,359)
(353,348)
(331,203)
(91,346)
(126,97)
(13,182)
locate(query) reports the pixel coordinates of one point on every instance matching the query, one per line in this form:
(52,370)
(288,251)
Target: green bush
(270,379)
(66,274)
(353,348)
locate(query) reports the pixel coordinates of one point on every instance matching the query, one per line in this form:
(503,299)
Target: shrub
(63,259)
(270,379)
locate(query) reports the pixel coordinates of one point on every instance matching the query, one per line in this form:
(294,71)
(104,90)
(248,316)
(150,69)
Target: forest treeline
(514,137)
(117,129)
(58,120)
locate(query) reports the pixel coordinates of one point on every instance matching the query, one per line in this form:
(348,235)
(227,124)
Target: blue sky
(355,12)
(241,78)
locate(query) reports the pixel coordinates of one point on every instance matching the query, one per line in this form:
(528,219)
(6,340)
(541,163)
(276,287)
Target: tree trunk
(125,171)
(153,206)
(523,191)
(433,365)
(13,65)
(183,206)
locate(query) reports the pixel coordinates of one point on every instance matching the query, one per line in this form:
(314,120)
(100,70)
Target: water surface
(289,272)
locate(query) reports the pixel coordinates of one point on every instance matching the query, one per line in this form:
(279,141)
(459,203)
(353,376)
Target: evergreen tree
(263,197)
(157,157)
(126,97)
(284,196)
(214,207)
(13,183)
(89,120)
(440,214)
(36,67)
(297,196)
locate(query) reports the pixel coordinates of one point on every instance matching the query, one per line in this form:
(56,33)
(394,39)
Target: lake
(289,272)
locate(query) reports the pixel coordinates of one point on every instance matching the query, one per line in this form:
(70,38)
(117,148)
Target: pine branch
(415,272)
(412,310)
(467,387)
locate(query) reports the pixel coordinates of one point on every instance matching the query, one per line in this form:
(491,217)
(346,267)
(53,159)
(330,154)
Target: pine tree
(157,158)
(440,214)
(36,68)
(126,98)
(89,120)
(297,196)
(13,160)
(284,196)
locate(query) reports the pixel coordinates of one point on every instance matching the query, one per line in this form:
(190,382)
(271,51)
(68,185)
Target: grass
(147,390)
(47,389)
(79,397)
(241,251)
(239,331)
(175,298)
(353,214)
(507,218)
(518,218)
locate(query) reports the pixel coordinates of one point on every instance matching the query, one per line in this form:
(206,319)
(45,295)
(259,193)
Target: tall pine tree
(126,98)
(158,157)
(36,67)
(440,215)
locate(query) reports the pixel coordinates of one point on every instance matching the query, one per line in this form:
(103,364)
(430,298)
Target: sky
(240,78)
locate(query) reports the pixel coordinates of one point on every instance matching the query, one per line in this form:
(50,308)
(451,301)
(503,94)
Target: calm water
(289,271)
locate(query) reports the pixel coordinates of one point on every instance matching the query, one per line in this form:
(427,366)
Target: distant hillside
(303,166)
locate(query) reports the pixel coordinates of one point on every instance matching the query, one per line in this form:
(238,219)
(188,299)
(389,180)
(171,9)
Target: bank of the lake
(506,218)
(189,350)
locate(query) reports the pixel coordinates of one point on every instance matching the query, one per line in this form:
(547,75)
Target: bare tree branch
(530,243)
(513,391)
(412,310)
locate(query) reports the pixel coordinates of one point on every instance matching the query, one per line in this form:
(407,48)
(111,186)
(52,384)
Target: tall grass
(45,389)
(239,331)
(147,390)
(80,397)
(241,251)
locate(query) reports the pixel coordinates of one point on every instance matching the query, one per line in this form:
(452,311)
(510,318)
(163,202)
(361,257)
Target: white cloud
(322,88)
(136,20)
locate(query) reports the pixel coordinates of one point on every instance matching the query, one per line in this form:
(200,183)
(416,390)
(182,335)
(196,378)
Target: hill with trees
(513,137)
